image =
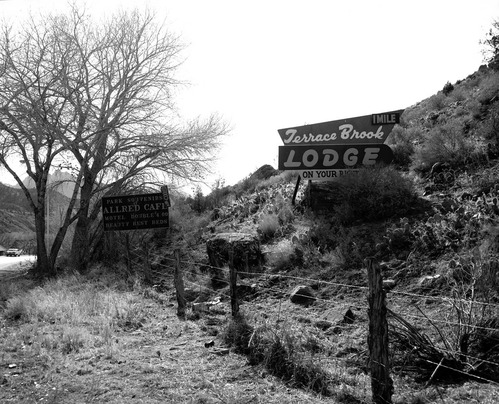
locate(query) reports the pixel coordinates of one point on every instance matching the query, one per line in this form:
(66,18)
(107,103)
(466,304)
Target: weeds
(374,194)
(74,304)
(268,227)
(281,353)
(445,144)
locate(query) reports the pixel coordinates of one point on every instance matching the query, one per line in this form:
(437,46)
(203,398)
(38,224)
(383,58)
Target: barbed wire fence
(440,337)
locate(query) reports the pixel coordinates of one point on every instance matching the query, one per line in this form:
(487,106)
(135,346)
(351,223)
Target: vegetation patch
(280,353)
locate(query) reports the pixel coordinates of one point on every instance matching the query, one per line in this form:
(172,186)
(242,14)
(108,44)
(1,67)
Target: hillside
(15,216)
(17,224)
(430,221)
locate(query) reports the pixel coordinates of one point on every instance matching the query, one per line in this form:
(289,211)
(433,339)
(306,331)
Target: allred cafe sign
(134,212)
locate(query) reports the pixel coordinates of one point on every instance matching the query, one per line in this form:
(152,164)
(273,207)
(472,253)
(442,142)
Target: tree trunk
(44,266)
(80,245)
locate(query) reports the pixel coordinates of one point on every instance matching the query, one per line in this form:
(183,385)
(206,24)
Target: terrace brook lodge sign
(134,212)
(324,151)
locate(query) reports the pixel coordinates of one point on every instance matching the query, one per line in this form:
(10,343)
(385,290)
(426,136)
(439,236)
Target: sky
(264,65)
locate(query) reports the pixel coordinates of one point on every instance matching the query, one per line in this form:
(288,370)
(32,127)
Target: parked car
(13,252)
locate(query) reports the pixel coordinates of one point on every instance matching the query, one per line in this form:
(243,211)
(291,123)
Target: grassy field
(87,340)
(79,341)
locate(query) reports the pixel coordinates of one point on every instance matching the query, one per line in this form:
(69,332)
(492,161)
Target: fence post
(179,286)
(381,382)
(128,259)
(233,284)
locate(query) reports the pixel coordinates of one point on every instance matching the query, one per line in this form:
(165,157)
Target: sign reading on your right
(327,150)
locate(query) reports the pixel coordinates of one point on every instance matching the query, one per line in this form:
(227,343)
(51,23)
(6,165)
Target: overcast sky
(270,64)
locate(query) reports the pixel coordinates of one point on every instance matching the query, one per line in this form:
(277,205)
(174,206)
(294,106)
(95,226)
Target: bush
(446,144)
(402,141)
(489,89)
(268,226)
(280,352)
(374,194)
(238,334)
(437,102)
(448,88)
(460,93)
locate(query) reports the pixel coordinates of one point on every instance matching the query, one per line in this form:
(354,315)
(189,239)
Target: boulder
(247,254)
(389,284)
(191,294)
(349,317)
(432,282)
(303,295)
(323,324)
(324,196)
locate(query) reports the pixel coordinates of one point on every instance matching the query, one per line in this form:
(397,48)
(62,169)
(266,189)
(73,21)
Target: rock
(323,324)
(220,351)
(334,330)
(466,196)
(247,254)
(245,290)
(449,205)
(389,284)
(191,294)
(324,196)
(199,307)
(349,317)
(264,172)
(302,295)
(430,282)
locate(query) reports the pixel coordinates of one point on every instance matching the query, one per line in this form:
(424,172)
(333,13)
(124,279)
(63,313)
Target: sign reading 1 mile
(134,212)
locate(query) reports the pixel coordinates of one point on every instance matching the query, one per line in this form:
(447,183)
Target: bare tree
(95,98)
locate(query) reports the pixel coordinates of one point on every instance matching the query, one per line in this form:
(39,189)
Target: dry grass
(76,341)
(72,341)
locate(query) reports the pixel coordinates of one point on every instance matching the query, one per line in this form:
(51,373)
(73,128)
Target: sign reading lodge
(326,157)
(133,212)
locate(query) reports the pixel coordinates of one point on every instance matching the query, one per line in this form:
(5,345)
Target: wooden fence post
(179,286)
(233,284)
(381,382)
(128,259)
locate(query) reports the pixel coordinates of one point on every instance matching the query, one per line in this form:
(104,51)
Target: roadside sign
(367,129)
(134,212)
(333,157)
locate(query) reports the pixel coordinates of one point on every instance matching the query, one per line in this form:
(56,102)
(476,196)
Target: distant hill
(60,181)
(12,199)
(15,215)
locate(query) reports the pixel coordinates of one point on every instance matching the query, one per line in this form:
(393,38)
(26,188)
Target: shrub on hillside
(446,144)
(401,141)
(489,89)
(284,177)
(460,93)
(374,194)
(448,88)
(282,352)
(489,128)
(268,226)
(437,102)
